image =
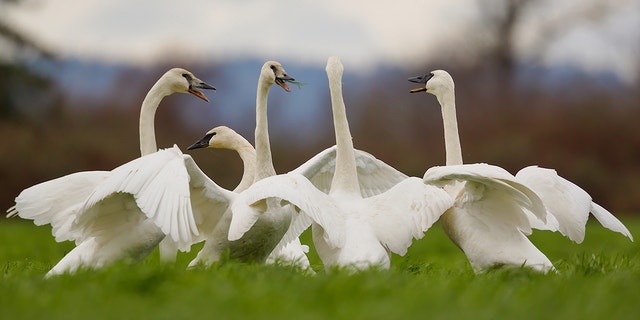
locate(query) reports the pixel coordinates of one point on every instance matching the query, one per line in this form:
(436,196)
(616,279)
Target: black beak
(286,77)
(421,79)
(203,85)
(195,84)
(202,143)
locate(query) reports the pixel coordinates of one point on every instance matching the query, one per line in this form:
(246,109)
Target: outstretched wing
(209,201)
(159,186)
(608,221)
(293,189)
(374,175)
(290,240)
(406,211)
(494,194)
(568,203)
(57,202)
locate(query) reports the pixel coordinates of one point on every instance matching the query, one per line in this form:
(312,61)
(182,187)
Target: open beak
(282,82)
(199,94)
(420,79)
(202,143)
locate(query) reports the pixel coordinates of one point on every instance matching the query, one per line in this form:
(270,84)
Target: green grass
(597,280)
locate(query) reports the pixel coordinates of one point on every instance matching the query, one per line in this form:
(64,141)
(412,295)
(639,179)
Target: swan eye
(273,68)
(187,76)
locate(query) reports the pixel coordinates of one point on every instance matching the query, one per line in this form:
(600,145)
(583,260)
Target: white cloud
(363,33)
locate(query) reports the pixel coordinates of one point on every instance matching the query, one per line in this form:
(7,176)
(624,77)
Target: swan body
(349,229)
(130,212)
(293,252)
(491,213)
(107,218)
(216,236)
(490,218)
(488,224)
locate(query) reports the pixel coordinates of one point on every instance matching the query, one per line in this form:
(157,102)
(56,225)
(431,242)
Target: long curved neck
(147,115)
(345,177)
(264,161)
(248,155)
(451,138)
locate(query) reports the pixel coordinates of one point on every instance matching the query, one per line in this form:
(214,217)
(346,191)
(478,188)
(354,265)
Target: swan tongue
(418,90)
(198,94)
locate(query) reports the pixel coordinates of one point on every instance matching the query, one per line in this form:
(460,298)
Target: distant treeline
(585,130)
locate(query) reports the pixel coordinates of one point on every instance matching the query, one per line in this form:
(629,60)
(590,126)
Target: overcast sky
(363,33)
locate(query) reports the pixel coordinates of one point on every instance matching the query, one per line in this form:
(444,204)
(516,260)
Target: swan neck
(346,176)
(147,116)
(453,148)
(248,155)
(264,161)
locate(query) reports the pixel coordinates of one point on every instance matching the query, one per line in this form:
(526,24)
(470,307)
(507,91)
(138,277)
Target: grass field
(598,279)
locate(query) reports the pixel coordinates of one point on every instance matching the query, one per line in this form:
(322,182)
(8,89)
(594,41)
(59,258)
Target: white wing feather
(406,211)
(57,202)
(480,179)
(608,221)
(114,216)
(299,224)
(568,203)
(294,189)
(209,201)
(374,175)
(159,183)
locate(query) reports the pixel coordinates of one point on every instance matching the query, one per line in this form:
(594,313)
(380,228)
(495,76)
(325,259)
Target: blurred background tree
(21,86)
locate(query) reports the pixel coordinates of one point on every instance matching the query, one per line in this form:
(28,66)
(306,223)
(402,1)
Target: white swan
(112,227)
(349,229)
(490,216)
(216,235)
(488,220)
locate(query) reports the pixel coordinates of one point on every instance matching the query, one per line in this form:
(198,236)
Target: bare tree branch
(22,41)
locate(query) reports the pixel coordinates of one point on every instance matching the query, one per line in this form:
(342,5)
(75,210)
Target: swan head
(181,80)
(273,72)
(334,67)
(437,82)
(221,137)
